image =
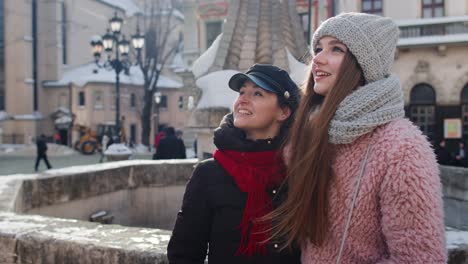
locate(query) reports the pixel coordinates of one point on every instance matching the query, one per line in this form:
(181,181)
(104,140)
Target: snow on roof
(216,92)
(63,120)
(455,238)
(128,6)
(178,14)
(83,74)
(166,82)
(204,62)
(297,70)
(430,21)
(62,109)
(34,116)
(4,116)
(433,40)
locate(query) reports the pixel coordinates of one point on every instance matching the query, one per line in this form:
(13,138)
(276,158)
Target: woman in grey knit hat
(363,182)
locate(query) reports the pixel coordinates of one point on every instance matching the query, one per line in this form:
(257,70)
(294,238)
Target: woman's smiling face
(328,57)
(257,112)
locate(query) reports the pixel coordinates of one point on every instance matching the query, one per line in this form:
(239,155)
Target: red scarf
(253,173)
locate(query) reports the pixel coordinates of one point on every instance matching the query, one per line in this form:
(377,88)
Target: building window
(422,108)
(181,102)
(81,99)
(112,101)
(62,100)
(464,112)
(163,103)
(372,7)
(213,29)
(133,133)
(432,8)
(132,100)
(98,100)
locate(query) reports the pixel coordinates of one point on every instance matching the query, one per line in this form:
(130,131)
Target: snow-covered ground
(30,150)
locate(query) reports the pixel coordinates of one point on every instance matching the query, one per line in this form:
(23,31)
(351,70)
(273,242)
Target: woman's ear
(284,113)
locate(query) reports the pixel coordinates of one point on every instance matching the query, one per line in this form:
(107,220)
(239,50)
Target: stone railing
(65,199)
(77,192)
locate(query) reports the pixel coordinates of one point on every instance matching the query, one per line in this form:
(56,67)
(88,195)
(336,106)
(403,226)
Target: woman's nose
(320,58)
(243,98)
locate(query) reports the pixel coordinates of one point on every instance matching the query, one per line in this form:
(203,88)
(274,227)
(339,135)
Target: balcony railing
(433,31)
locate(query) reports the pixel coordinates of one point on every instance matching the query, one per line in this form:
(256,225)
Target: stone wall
(26,238)
(455,189)
(72,192)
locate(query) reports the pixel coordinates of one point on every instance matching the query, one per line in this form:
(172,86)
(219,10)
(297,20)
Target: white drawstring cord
(355,194)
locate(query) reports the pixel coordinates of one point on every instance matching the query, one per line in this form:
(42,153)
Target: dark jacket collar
(229,137)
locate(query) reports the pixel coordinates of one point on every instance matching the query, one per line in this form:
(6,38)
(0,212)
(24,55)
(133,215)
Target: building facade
(431,62)
(42,43)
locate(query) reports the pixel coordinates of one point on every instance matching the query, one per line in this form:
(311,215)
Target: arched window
(422,108)
(464,110)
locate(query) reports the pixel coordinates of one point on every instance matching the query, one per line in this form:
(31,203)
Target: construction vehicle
(90,141)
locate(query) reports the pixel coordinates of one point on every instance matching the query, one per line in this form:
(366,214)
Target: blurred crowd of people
(453,158)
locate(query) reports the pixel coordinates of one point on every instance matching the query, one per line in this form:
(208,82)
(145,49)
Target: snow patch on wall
(204,62)
(216,92)
(298,70)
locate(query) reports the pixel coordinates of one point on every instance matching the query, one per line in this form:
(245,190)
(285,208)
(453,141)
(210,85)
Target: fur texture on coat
(398,215)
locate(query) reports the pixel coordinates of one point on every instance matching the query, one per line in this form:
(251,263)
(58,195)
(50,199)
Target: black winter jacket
(170,147)
(212,210)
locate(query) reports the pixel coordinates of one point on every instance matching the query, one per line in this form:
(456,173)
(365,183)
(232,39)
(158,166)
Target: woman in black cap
(227,195)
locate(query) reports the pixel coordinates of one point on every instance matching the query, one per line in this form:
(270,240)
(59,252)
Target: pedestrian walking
(461,157)
(226,195)
(181,145)
(41,146)
(104,142)
(169,146)
(442,154)
(157,139)
(363,181)
(57,139)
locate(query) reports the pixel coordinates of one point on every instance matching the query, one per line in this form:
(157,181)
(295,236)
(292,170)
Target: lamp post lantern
(108,42)
(157,100)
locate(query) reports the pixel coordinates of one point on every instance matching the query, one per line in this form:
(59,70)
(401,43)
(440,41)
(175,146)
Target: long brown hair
(304,214)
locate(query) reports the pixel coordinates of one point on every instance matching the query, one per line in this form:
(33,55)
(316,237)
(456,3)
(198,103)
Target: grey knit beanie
(371,39)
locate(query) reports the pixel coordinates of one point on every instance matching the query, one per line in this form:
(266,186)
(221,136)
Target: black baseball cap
(270,78)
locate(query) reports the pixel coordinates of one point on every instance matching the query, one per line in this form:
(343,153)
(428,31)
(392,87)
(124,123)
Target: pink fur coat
(398,216)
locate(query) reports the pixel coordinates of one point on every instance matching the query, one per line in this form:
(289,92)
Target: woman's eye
(338,49)
(258,94)
(241,92)
(317,50)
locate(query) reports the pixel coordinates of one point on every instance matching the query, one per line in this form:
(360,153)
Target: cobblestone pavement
(25,164)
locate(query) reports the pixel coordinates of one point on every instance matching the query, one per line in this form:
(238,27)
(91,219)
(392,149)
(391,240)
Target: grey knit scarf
(369,106)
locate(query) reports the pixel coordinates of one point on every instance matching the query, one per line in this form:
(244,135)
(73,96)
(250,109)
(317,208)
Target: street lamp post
(108,42)
(157,100)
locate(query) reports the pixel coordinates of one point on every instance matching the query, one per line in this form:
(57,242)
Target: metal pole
(157,117)
(309,12)
(34,51)
(117,91)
